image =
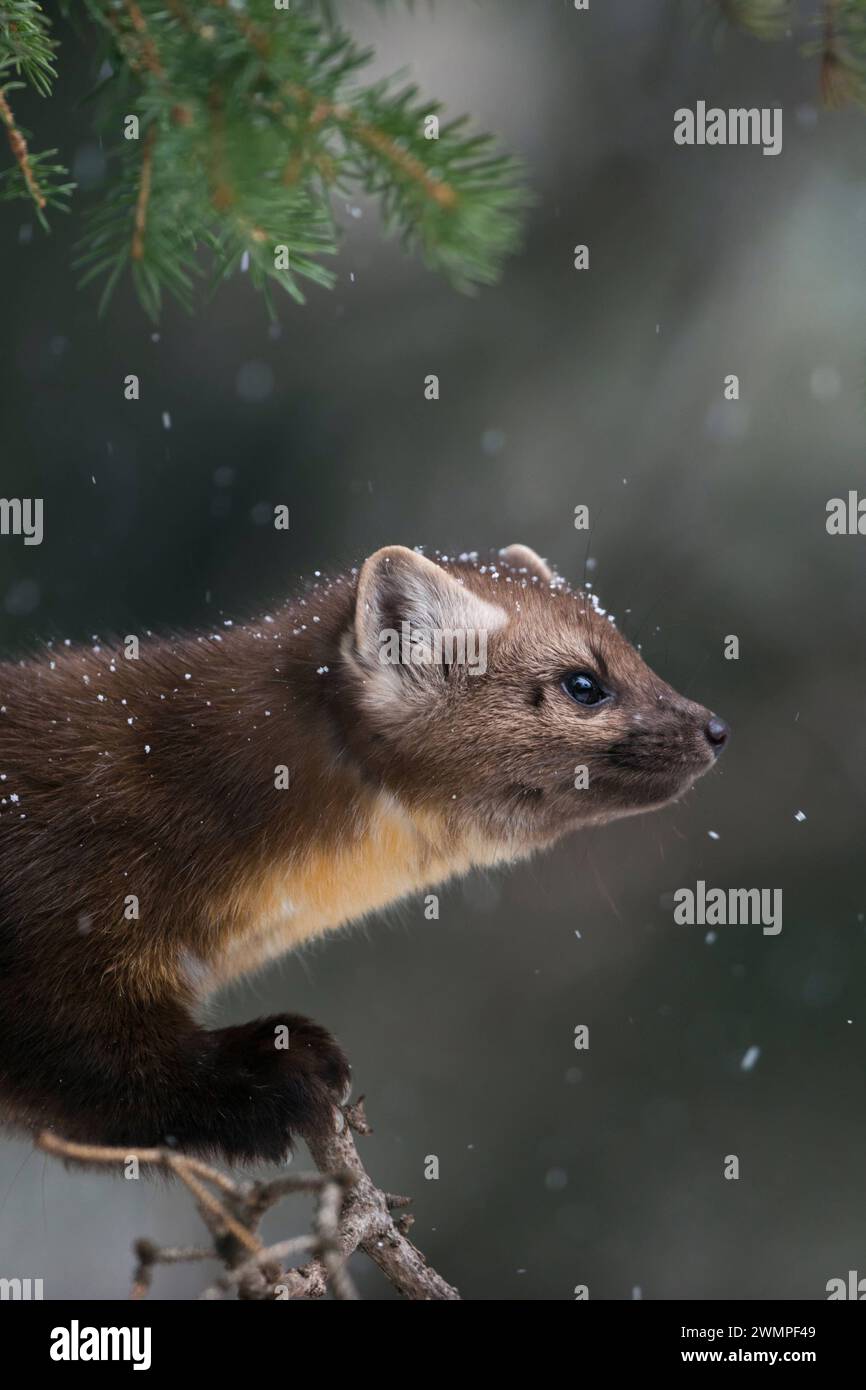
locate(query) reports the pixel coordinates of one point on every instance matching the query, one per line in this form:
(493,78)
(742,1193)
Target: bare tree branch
(351,1215)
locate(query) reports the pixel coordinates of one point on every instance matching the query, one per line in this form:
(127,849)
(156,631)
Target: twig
(366,1222)
(143,199)
(252,32)
(352,126)
(350,123)
(352,1215)
(18,146)
(149,55)
(150,1255)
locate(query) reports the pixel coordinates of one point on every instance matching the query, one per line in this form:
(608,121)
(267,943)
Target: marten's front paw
(288,1074)
(316,1053)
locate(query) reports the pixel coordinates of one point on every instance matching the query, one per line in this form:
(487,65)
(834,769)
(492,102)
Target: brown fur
(399,778)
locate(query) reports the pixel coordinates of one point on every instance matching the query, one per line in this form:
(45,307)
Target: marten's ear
(520,557)
(397,586)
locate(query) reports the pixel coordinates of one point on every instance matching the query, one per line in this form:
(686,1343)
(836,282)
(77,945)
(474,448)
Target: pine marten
(173,821)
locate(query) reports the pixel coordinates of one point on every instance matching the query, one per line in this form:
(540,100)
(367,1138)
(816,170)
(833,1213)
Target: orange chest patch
(391,856)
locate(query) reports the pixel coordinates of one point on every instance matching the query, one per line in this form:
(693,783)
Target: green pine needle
(250,124)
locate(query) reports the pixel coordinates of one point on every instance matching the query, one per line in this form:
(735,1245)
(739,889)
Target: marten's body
(163,780)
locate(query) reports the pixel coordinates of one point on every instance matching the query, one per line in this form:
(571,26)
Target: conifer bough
(232,128)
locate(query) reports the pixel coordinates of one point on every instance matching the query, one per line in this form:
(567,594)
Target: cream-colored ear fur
(401,585)
(398,586)
(521,557)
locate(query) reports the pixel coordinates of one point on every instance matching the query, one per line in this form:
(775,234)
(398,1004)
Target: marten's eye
(583,688)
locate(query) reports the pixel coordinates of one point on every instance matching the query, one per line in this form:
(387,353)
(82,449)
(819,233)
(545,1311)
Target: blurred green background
(605,387)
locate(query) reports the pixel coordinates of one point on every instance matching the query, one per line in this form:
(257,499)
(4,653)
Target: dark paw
(288,1074)
(315,1049)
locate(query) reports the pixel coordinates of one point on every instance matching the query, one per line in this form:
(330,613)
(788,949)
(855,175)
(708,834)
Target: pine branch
(18,145)
(763,19)
(840,45)
(233,130)
(27,51)
(25,44)
(842,69)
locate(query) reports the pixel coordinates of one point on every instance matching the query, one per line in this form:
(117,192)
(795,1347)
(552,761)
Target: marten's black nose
(717,732)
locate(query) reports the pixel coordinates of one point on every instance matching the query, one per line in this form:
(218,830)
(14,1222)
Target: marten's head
(499,696)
